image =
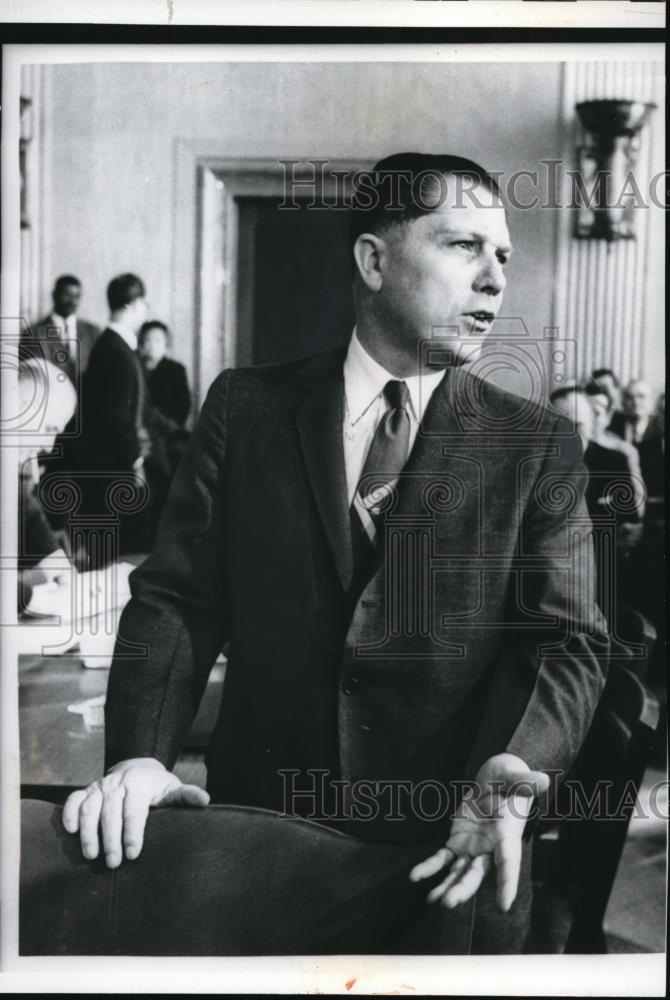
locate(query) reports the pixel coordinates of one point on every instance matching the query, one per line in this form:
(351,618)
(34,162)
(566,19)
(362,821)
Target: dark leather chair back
(217,881)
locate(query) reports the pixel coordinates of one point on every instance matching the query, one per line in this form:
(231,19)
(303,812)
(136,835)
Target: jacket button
(351,685)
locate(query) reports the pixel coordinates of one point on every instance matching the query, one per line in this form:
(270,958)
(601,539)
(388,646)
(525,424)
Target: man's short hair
(599,372)
(565,390)
(152,324)
(64,280)
(123,290)
(404,186)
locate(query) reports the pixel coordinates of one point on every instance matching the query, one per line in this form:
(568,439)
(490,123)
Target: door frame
(218,182)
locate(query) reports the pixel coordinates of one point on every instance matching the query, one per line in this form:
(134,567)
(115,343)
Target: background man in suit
(636,424)
(57,333)
(405,590)
(610,469)
(114,406)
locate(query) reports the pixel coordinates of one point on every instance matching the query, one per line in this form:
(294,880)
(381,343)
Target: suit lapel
(319,418)
(447,435)
(440,419)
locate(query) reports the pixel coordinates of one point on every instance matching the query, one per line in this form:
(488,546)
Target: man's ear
(370,257)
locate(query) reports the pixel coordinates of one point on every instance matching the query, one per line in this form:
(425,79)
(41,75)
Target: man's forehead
(486,219)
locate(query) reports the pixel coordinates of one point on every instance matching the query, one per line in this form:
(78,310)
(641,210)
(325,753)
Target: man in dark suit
(114,409)
(637,424)
(614,488)
(388,545)
(62,337)
(614,495)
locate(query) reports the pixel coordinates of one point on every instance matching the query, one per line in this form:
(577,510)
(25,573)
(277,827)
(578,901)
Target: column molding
(603,289)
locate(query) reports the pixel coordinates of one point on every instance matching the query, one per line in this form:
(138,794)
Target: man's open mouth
(481,320)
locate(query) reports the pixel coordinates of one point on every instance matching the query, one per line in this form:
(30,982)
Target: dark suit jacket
(113,406)
(168,390)
(478,634)
(651,450)
(44,341)
(610,489)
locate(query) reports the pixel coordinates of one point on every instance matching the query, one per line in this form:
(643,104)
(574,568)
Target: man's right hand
(117,807)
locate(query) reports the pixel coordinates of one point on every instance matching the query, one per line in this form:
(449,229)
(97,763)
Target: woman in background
(169,407)
(166,378)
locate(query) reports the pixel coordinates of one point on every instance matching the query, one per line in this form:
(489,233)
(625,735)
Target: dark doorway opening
(294,280)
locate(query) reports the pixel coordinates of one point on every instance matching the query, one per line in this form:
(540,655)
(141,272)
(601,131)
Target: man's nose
(490,277)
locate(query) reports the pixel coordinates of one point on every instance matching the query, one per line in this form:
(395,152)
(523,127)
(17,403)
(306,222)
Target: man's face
(445,269)
(637,400)
(66,300)
(137,312)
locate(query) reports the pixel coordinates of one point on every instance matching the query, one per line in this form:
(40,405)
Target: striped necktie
(381,470)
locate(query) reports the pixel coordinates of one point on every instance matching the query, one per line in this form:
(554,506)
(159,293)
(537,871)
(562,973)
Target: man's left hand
(487,830)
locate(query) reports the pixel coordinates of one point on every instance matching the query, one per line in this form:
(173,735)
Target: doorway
(294,280)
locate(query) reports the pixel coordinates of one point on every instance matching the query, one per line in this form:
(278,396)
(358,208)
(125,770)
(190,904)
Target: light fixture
(609,191)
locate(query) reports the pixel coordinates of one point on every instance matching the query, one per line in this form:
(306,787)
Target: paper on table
(75,596)
(97,648)
(92,711)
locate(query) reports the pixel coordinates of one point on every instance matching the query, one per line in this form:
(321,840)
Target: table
(61,748)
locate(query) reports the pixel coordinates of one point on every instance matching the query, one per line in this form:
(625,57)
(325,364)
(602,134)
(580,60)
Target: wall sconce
(606,162)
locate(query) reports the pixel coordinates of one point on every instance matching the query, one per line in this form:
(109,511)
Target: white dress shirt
(365,405)
(67,326)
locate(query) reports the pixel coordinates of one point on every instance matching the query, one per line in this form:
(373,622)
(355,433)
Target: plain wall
(115,127)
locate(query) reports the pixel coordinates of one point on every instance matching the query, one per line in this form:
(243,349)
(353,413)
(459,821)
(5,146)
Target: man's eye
(502,258)
(464,244)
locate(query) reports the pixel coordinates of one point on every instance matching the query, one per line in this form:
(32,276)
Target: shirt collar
(69,324)
(365,378)
(126,335)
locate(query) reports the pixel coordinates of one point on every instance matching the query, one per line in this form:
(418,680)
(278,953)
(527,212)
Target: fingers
(89,819)
(508,865)
(454,873)
(431,865)
(135,813)
(70,817)
(111,823)
(113,812)
(527,783)
(469,881)
(185,795)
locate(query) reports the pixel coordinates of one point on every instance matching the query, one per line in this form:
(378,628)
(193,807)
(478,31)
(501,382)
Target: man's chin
(457,354)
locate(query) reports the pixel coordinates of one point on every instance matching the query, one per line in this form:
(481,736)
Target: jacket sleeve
(175,624)
(553,663)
